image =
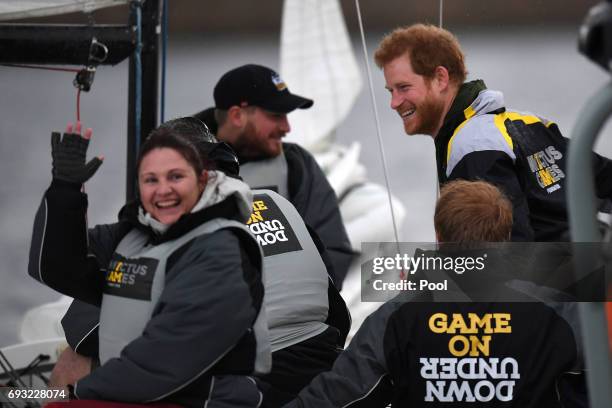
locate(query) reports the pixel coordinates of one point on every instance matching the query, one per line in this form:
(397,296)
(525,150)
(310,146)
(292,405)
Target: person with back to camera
(178,278)
(422,353)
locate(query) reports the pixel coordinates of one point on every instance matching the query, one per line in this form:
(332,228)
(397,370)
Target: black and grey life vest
(134,282)
(269,174)
(296,278)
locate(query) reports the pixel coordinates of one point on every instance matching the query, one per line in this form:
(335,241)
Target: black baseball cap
(256,85)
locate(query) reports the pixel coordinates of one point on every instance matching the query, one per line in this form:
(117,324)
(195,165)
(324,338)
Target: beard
(251,146)
(427,117)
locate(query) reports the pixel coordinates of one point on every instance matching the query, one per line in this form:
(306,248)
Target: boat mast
(143,98)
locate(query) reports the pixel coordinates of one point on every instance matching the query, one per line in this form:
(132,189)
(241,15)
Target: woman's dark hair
(188,136)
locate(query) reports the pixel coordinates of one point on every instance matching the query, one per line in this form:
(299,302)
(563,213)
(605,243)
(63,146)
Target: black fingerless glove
(69,154)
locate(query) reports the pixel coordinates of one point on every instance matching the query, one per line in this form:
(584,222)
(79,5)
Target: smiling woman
(169,187)
(168,276)
(171,174)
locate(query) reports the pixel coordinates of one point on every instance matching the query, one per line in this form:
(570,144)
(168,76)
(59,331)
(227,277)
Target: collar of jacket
(455,116)
(227,208)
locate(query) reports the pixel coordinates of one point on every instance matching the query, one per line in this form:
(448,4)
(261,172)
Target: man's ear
(236,116)
(441,78)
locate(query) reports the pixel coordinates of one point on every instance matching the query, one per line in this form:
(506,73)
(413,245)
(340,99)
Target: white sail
(317,61)
(19,9)
(44,321)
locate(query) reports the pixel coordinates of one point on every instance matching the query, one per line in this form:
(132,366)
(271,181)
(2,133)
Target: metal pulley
(97,55)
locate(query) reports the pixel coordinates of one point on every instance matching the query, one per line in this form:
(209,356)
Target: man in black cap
(250,113)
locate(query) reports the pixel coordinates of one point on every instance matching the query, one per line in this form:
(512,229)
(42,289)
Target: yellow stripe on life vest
(499,120)
(527,119)
(469,112)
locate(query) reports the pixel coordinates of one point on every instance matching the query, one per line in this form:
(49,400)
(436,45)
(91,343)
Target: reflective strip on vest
(135,280)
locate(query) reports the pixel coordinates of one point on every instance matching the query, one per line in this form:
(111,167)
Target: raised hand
(69,154)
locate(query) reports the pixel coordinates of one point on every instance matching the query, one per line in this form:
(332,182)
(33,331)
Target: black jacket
(521,153)
(187,345)
(421,353)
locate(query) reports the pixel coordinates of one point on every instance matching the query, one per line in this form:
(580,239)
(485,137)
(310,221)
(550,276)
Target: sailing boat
(364,205)
(32,355)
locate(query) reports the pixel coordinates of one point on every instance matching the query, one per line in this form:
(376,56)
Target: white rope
(377,121)
(441,9)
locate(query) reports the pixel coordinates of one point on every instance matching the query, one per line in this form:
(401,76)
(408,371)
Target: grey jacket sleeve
(359,377)
(205,308)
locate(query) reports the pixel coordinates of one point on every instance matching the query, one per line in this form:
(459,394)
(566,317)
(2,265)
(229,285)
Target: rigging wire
(78,105)
(377,122)
(137,4)
(163,60)
(60,69)
(56,69)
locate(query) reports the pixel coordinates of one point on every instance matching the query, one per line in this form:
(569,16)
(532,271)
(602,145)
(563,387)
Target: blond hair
(472,211)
